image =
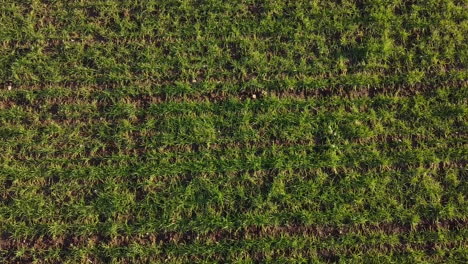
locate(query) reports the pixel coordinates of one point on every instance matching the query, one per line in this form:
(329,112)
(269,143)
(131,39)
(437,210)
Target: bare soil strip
(151,94)
(144,100)
(320,231)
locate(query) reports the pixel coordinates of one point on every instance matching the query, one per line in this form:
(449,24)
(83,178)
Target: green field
(300,131)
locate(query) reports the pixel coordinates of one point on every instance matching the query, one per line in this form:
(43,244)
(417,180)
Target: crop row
(127,201)
(266,41)
(177,130)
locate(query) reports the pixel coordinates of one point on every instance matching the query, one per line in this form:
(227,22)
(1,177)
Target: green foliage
(233,131)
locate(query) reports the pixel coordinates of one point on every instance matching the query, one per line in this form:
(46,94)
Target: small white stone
(254,96)
(9,87)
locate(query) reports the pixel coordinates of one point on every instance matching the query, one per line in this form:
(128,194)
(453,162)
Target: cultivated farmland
(301,131)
